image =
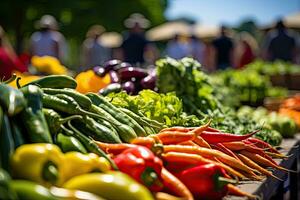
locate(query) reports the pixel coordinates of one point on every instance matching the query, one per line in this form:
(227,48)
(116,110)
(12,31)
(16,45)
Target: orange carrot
(172,183)
(114,148)
(209,153)
(233,190)
(144,141)
(235,146)
(201,142)
(252,164)
(222,148)
(172,137)
(197,159)
(202,128)
(188,143)
(178,129)
(276,155)
(263,161)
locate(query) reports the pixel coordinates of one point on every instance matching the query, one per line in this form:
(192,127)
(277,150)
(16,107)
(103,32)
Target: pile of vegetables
(291,108)
(249,87)
(57,143)
(286,126)
(124,76)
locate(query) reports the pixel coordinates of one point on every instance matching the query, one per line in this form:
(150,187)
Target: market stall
(169,132)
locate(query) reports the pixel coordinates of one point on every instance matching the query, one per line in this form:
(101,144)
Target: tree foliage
(18,17)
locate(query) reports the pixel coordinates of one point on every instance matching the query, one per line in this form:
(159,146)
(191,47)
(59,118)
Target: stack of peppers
(207,180)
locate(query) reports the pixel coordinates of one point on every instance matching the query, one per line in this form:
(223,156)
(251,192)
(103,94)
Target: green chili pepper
(66,105)
(97,131)
(17,133)
(54,120)
(69,143)
(6,142)
(81,99)
(125,132)
(55,81)
(12,100)
(115,112)
(31,190)
(33,117)
(90,145)
(6,191)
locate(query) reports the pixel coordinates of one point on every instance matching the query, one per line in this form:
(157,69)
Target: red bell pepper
(206,181)
(141,164)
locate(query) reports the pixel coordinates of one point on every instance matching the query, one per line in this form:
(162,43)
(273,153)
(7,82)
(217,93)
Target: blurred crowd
(224,51)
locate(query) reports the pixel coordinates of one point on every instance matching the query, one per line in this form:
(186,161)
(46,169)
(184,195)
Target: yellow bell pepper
(48,64)
(78,163)
(111,186)
(88,81)
(39,162)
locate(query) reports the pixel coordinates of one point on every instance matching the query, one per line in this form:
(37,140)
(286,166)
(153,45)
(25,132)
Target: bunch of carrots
(241,156)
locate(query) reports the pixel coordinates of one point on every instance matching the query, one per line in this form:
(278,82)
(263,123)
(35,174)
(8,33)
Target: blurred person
(93,51)
(135,45)
(178,48)
(197,48)
(280,44)
(245,50)
(9,61)
(48,41)
(223,47)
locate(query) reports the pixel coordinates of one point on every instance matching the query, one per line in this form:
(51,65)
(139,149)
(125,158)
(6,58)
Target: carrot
(220,137)
(166,196)
(172,183)
(235,146)
(263,161)
(233,190)
(261,153)
(197,159)
(213,129)
(178,129)
(209,153)
(222,148)
(175,137)
(144,141)
(201,142)
(114,148)
(199,130)
(188,143)
(276,155)
(262,144)
(252,164)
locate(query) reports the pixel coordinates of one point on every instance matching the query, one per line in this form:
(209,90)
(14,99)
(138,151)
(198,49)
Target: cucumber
(55,81)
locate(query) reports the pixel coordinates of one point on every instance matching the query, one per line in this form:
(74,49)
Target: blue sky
(231,12)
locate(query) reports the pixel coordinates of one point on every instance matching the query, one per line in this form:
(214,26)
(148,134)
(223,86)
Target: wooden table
(273,189)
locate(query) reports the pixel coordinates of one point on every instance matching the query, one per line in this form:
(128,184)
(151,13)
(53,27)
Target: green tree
(18,17)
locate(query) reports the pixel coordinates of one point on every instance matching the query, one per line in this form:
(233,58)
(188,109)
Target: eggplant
(148,82)
(129,87)
(100,71)
(114,77)
(113,87)
(132,72)
(122,65)
(111,64)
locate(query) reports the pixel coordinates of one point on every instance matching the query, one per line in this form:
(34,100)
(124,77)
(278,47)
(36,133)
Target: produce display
(58,143)
(291,108)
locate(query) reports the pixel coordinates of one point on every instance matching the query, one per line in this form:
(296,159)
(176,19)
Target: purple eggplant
(129,87)
(122,65)
(148,82)
(111,64)
(129,72)
(100,71)
(114,77)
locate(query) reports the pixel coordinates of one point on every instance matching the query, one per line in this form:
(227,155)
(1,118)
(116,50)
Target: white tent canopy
(205,31)
(168,30)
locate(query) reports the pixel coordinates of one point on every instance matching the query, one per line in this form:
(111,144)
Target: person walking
(135,45)
(280,44)
(48,41)
(223,47)
(93,52)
